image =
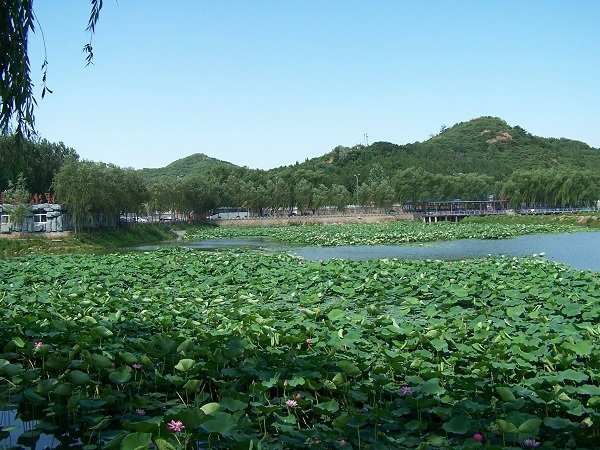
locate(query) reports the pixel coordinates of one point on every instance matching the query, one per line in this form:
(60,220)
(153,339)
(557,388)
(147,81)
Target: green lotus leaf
(31,434)
(78,377)
(119,377)
(582,348)
(115,442)
(128,358)
(210,408)
(47,385)
(339,378)
(530,426)
(458,425)
(161,444)
(559,423)
(505,394)
(136,441)
(329,406)
(184,346)
(335,314)
(33,396)
(341,421)
(348,368)
(11,369)
(100,361)
(432,387)
(101,332)
(232,404)
(223,423)
(14,344)
(296,381)
(506,427)
(192,385)
(588,389)
(571,375)
(102,421)
(185,365)
(59,325)
(64,389)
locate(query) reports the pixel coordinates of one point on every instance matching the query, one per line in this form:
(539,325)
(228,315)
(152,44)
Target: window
(4,219)
(39,218)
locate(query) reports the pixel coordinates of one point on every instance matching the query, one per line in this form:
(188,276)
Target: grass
(83,241)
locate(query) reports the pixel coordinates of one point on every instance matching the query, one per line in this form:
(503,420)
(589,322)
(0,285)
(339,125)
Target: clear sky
(266,83)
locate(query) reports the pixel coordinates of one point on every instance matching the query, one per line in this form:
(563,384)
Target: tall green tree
(96,194)
(17,198)
(37,159)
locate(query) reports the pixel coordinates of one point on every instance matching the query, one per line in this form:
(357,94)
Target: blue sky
(267,83)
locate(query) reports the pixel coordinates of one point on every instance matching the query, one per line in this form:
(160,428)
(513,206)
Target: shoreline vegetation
(295,230)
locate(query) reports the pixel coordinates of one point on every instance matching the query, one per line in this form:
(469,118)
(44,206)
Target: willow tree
(17,20)
(97,193)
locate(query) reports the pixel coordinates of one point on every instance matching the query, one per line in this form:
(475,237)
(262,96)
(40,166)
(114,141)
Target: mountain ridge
(484,145)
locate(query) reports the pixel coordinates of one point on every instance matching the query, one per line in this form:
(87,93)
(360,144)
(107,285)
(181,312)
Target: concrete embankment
(313,220)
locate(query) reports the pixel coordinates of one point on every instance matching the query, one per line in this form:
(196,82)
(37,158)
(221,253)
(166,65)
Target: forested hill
(485,146)
(190,165)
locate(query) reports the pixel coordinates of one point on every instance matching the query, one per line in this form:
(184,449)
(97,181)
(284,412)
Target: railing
(467,212)
(556,210)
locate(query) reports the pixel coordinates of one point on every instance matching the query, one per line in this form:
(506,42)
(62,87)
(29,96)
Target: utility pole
(357,175)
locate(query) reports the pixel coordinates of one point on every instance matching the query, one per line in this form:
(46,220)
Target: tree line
(97,193)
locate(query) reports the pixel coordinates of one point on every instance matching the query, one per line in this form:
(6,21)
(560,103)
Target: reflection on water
(580,250)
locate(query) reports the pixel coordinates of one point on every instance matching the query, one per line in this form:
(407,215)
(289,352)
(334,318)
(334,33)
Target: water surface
(580,250)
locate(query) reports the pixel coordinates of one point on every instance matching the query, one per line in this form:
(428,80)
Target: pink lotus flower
(531,443)
(298,395)
(291,403)
(342,443)
(37,345)
(309,340)
(141,412)
(478,437)
(175,426)
(137,366)
(406,390)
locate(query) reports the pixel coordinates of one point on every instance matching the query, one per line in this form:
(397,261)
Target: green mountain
(486,146)
(184,167)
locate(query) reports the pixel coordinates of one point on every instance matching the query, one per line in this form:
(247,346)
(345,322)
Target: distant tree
(200,194)
(17,199)
(257,197)
(37,159)
(304,193)
(97,193)
(278,193)
(339,197)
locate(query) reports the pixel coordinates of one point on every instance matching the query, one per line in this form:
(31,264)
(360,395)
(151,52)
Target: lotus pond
(180,348)
(383,233)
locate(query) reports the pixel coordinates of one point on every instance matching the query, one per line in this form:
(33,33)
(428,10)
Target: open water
(579,250)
